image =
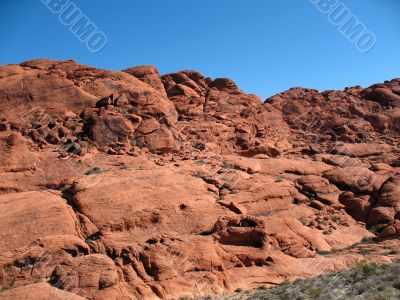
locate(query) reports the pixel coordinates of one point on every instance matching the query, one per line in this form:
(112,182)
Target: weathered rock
(226,85)
(5,126)
(44,214)
(108,130)
(387,208)
(36,291)
(383,96)
(362,150)
(356,205)
(125,185)
(160,141)
(17,152)
(357,179)
(86,275)
(320,188)
(250,166)
(149,75)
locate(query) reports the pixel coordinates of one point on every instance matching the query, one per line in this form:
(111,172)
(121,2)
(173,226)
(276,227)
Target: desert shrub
(365,269)
(201,176)
(95,170)
(229,188)
(366,241)
(5,288)
(365,251)
(315,293)
(368,281)
(201,162)
(225,165)
(373,229)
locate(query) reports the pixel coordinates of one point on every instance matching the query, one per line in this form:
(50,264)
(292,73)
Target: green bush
(226,166)
(366,281)
(364,269)
(315,293)
(95,170)
(365,251)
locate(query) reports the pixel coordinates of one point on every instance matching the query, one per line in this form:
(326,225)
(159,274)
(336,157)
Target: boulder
(108,130)
(149,75)
(160,141)
(44,213)
(41,290)
(387,208)
(383,96)
(362,150)
(356,179)
(86,275)
(320,188)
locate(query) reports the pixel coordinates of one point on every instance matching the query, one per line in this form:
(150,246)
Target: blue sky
(266,46)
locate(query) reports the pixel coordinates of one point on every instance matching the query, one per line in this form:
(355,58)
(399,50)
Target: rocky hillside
(132,185)
(366,281)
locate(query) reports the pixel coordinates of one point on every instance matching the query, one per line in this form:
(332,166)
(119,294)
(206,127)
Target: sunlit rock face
(132,184)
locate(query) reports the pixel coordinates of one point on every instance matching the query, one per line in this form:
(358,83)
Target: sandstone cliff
(125,185)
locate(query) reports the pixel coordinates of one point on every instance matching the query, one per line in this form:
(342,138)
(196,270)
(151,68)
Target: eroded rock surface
(132,184)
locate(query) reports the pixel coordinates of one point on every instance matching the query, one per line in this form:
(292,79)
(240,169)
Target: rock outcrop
(136,185)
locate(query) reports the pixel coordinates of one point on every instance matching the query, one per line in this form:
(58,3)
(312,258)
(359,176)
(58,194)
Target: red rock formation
(123,185)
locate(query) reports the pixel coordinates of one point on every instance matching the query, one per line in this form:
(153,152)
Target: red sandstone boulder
(161,141)
(357,179)
(149,75)
(387,208)
(383,96)
(36,291)
(108,130)
(321,189)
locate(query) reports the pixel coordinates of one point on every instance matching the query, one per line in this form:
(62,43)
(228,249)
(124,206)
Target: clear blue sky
(266,46)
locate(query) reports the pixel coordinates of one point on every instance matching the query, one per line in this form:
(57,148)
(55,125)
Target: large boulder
(41,290)
(383,96)
(44,213)
(87,275)
(108,130)
(17,152)
(362,149)
(356,179)
(149,75)
(320,189)
(386,212)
